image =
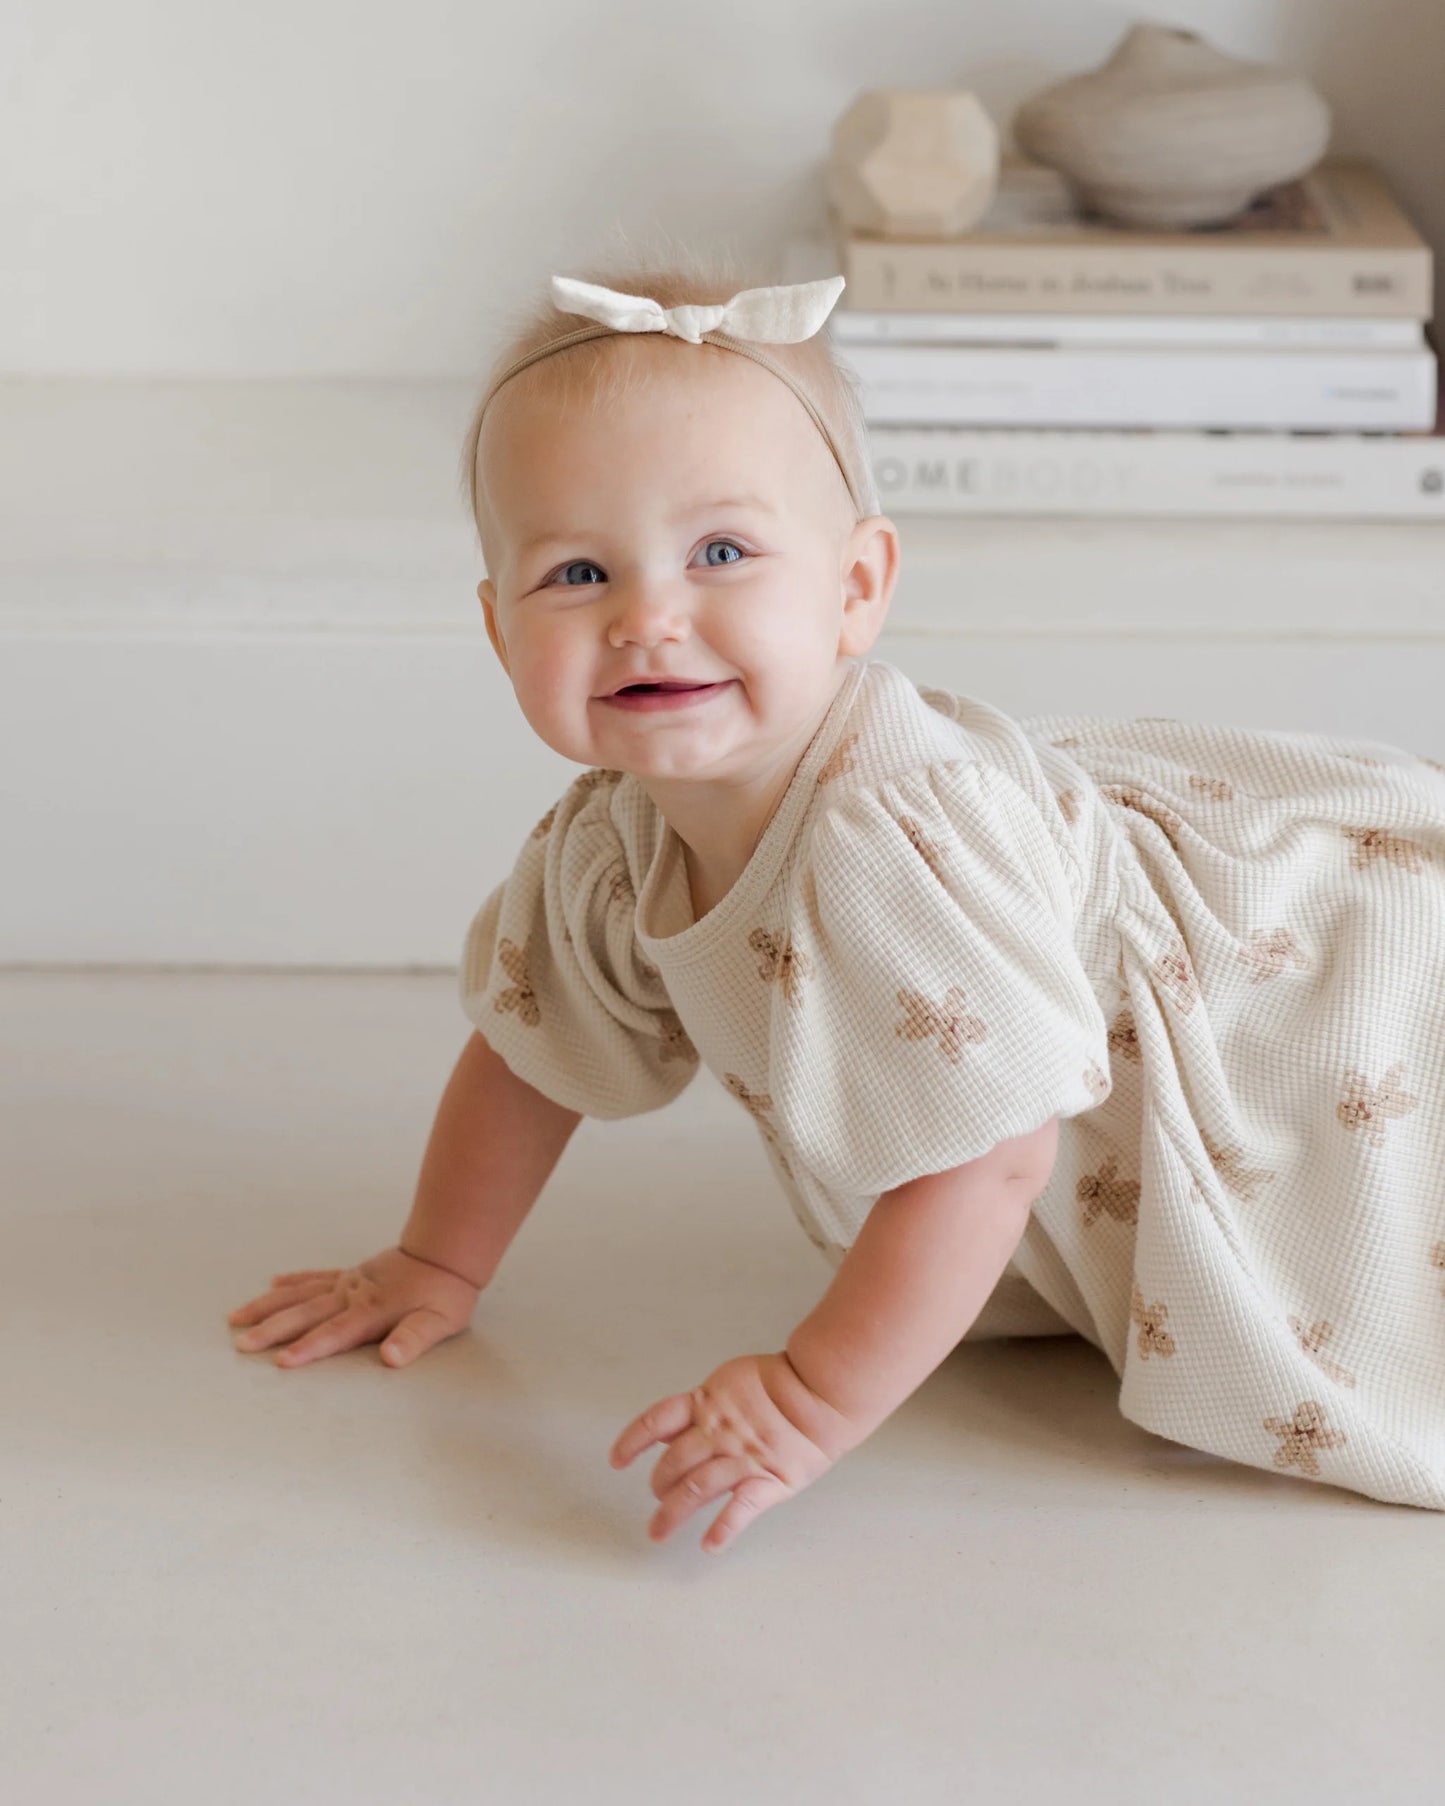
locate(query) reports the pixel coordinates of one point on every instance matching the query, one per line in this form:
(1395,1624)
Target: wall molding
(249,716)
(142,507)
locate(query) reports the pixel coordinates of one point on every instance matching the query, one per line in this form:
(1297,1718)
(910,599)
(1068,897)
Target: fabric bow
(778,316)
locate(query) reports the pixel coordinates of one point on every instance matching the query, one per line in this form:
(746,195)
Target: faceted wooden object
(913,162)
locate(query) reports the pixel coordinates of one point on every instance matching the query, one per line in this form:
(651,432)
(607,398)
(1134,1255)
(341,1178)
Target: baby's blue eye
(579,564)
(586,564)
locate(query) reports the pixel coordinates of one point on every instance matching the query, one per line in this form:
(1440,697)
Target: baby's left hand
(731,1434)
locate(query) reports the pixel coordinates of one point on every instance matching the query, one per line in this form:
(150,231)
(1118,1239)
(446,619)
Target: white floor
(225,1582)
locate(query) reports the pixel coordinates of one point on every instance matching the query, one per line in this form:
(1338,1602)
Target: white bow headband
(782,315)
(777,316)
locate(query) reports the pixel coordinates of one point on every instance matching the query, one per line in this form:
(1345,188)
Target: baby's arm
(494,1144)
(921,1270)
(763,1426)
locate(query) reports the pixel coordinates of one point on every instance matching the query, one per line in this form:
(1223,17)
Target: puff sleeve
(945,1008)
(552,977)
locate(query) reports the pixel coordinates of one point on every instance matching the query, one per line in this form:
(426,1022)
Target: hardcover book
(1294,388)
(1330,476)
(1334,243)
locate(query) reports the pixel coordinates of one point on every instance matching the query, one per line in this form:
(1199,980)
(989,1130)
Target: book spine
(852,326)
(1287,390)
(954,276)
(946,470)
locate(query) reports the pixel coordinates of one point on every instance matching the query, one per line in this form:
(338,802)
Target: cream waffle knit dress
(1216,954)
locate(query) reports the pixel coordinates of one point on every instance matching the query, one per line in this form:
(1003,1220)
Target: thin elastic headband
(781,315)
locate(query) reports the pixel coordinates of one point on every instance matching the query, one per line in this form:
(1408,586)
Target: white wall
(247,712)
(296,187)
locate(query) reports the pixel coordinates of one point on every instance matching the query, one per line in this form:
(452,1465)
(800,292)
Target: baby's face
(674,584)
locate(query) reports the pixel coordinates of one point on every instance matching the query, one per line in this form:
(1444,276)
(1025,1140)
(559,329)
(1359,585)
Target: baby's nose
(645,614)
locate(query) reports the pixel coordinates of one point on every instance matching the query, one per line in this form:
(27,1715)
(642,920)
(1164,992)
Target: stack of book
(1047,363)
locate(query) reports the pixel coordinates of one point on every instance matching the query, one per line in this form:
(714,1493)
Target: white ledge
(185,507)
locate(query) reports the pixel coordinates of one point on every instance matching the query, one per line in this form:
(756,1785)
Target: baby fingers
(658,1423)
(270,1303)
(332,1329)
(341,1331)
(752,1494)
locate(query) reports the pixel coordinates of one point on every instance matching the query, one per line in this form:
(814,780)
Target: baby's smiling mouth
(648,695)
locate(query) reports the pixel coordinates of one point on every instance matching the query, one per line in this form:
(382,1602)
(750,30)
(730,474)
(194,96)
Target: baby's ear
(487,596)
(869,572)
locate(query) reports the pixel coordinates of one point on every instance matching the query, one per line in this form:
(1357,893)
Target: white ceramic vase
(1171,133)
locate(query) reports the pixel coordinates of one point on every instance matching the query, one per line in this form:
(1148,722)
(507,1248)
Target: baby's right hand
(343,1308)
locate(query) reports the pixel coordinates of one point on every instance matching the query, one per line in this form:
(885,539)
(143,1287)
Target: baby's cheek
(552,675)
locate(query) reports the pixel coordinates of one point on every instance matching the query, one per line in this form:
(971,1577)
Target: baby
(1133,1029)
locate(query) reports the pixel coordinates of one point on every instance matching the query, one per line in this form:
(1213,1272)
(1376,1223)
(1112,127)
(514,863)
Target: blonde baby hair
(588,374)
